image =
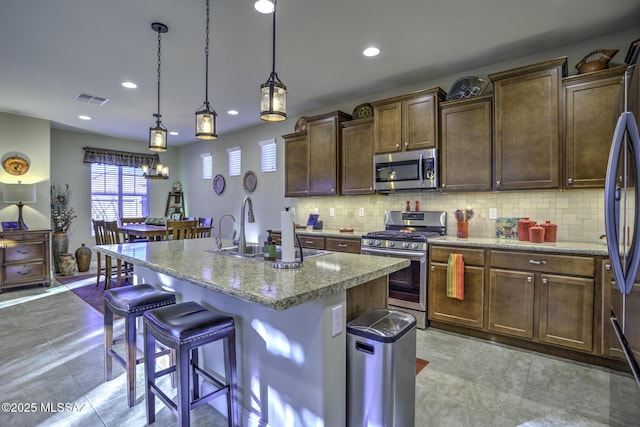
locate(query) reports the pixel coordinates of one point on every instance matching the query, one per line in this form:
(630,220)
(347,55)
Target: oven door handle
(391,252)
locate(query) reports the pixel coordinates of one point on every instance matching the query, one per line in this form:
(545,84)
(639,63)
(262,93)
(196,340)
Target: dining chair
(98,230)
(112,236)
(179,230)
(133,220)
(204,227)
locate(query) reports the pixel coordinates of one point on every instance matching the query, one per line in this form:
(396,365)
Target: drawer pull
(343,245)
(24,273)
(309,242)
(535,262)
(545,281)
(529,279)
(433,268)
(607,266)
(24,251)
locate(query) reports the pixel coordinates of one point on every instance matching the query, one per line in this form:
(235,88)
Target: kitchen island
(290,323)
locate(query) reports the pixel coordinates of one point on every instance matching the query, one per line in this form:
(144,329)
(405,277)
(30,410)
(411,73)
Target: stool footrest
(154,389)
(214,394)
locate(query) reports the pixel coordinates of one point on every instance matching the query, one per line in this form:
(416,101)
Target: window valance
(120,158)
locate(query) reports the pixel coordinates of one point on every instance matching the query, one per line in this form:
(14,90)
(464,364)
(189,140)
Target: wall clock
(15,165)
(250,181)
(218,184)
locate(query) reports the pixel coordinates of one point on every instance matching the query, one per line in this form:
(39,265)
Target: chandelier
(155,171)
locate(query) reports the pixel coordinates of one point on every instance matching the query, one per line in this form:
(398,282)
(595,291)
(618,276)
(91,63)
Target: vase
(83,258)
(67,264)
(59,246)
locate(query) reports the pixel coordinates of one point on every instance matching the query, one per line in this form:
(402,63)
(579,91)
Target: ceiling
(52,50)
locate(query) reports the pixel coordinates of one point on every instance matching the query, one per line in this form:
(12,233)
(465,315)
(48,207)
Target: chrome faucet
(242,242)
(219,238)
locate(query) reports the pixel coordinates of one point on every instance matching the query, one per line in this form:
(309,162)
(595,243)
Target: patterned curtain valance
(120,158)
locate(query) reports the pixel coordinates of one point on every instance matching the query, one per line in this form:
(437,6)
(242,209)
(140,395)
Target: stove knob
(405,244)
(392,244)
(369,242)
(414,246)
(376,243)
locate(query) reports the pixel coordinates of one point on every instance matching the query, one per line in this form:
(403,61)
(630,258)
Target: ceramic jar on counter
(523,228)
(550,231)
(536,234)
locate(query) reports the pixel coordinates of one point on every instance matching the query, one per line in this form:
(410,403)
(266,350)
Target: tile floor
(51,352)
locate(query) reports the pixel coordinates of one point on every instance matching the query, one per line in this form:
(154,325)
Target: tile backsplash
(579,214)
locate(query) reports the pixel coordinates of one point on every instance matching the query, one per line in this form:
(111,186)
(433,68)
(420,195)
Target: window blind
(268,155)
(207,166)
(235,157)
(118,191)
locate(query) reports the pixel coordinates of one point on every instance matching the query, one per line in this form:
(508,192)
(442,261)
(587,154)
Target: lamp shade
(19,193)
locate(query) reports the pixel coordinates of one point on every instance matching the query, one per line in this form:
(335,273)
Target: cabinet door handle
(24,251)
(607,266)
(433,268)
(569,181)
(529,279)
(535,262)
(406,144)
(498,183)
(342,245)
(398,146)
(24,273)
(545,281)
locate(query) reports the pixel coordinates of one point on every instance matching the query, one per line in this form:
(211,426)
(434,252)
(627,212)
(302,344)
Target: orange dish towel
(455,277)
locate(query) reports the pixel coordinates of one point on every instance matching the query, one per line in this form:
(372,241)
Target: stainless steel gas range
(406,235)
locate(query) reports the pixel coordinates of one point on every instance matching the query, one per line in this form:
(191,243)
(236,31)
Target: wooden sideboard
(25,258)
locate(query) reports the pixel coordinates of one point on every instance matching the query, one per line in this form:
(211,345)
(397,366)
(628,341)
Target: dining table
(152,232)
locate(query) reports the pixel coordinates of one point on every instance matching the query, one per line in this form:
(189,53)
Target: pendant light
(206,116)
(273,93)
(158,134)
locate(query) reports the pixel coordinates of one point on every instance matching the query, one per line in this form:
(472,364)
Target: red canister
(523,228)
(550,231)
(536,234)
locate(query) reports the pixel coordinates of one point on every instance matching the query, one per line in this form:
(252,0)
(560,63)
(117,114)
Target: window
(207,166)
(268,155)
(235,156)
(118,191)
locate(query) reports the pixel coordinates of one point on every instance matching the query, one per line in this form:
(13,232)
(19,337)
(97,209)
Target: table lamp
(19,194)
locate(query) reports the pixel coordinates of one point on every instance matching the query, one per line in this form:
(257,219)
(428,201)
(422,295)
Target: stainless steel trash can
(381,369)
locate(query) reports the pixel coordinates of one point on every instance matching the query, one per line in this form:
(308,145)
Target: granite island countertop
(561,247)
(255,280)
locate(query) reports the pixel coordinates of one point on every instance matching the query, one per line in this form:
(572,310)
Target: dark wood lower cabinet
(511,302)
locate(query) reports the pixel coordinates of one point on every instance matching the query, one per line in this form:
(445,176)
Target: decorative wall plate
(362,111)
(15,165)
(218,184)
(250,181)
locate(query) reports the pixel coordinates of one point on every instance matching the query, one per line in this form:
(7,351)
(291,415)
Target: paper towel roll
(287,224)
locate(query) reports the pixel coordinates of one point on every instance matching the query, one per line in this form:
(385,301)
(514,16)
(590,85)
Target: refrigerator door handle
(624,276)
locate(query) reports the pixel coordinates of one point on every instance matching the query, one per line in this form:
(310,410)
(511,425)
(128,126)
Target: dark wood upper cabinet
(590,120)
(407,122)
(466,144)
(357,157)
(528,125)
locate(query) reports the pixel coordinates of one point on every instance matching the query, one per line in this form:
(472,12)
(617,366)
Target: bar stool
(185,327)
(129,302)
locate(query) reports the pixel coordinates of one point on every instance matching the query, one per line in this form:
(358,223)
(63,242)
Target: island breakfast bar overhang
(291,366)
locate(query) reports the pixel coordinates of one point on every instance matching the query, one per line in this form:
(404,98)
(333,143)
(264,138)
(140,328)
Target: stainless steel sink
(254,251)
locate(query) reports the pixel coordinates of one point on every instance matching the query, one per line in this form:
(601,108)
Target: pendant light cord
(158,118)
(206,64)
(273,41)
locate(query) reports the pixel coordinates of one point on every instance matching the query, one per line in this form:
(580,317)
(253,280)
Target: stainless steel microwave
(408,170)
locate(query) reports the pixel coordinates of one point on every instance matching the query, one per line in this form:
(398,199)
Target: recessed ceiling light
(232,112)
(129,85)
(174,133)
(81,117)
(264,6)
(371,51)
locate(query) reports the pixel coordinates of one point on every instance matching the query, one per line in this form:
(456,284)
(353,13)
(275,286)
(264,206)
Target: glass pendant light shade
(158,137)
(273,100)
(206,123)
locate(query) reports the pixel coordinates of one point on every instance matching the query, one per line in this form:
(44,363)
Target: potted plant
(61,217)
